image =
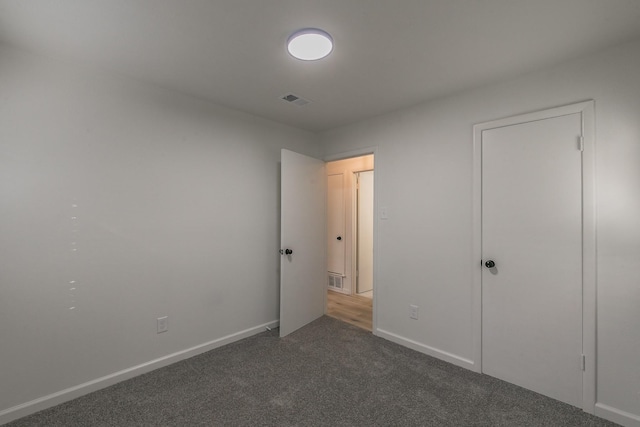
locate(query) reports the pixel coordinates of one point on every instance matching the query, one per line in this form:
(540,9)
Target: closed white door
(532,232)
(365,232)
(335,224)
(303,267)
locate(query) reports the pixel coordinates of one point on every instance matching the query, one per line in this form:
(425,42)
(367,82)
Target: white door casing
(534,216)
(364,233)
(303,273)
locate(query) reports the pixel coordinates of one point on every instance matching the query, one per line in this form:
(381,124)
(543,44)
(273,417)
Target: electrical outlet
(163,324)
(413,311)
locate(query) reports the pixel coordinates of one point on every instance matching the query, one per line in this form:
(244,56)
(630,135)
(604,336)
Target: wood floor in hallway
(354,309)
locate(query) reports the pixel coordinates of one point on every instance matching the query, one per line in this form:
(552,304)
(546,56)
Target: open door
(303,238)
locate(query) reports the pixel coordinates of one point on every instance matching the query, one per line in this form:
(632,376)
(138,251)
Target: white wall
(424,178)
(150,202)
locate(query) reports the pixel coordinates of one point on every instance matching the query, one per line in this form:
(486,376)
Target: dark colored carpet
(326,374)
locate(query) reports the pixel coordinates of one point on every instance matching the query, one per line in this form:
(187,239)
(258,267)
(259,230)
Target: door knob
(288,251)
(490,264)
(339,237)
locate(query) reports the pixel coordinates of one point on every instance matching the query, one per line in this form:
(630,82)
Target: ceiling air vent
(295,99)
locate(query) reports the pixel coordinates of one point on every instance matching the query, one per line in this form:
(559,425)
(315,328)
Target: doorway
(350,219)
(534,222)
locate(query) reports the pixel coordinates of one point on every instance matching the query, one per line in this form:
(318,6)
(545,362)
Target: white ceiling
(388,54)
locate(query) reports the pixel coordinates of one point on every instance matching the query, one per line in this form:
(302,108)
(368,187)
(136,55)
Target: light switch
(384,212)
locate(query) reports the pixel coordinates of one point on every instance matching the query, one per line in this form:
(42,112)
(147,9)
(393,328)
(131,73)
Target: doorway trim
(587,111)
(356,227)
(358,153)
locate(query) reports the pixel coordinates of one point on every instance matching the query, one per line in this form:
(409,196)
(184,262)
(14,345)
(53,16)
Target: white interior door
(532,230)
(365,232)
(335,224)
(303,272)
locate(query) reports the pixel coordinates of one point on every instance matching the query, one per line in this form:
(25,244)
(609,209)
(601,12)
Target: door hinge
(581,143)
(583,361)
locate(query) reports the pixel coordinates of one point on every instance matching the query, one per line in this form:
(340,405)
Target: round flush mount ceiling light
(310,44)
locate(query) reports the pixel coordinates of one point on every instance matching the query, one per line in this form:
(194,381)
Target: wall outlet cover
(163,324)
(384,212)
(413,311)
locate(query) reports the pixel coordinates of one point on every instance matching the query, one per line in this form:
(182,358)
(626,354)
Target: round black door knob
(339,237)
(490,264)
(288,251)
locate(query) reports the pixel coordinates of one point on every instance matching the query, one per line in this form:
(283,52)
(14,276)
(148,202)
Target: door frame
(587,111)
(358,153)
(356,223)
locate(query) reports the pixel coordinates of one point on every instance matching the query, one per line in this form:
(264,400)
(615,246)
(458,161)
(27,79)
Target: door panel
(365,232)
(532,229)
(303,230)
(335,224)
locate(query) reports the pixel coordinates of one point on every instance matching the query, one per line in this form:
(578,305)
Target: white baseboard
(617,416)
(70,393)
(431,351)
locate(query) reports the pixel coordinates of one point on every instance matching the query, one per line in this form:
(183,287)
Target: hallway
(353,309)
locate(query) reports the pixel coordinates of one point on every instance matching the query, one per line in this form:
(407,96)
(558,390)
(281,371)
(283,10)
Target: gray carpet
(326,374)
